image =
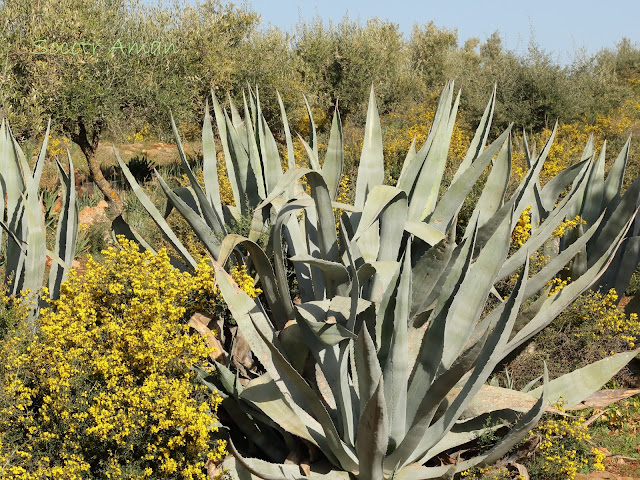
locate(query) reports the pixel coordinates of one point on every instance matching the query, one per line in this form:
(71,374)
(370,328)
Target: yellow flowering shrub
(140,135)
(611,320)
(104,388)
(57,145)
(593,327)
(564,448)
(571,139)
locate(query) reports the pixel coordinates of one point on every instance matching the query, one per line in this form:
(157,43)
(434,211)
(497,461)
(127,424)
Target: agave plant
(380,363)
(26,251)
(602,196)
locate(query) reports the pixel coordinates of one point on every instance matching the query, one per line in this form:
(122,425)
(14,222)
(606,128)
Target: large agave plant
(22,218)
(379,365)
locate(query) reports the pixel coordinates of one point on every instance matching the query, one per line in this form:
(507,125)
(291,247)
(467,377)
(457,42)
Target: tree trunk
(89,148)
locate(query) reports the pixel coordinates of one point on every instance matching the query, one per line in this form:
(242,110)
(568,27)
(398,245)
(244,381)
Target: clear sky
(559,27)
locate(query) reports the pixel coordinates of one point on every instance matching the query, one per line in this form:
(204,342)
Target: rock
(91,215)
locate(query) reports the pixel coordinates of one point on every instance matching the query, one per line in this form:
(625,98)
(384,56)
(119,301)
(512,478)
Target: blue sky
(559,27)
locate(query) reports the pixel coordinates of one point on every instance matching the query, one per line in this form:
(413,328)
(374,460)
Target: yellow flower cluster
(104,389)
(611,319)
(557,284)
(562,448)
(522,230)
(140,135)
(245,281)
(488,473)
(57,145)
(598,462)
(568,225)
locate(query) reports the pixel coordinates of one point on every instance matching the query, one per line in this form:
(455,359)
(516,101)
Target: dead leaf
(603,398)
(199,322)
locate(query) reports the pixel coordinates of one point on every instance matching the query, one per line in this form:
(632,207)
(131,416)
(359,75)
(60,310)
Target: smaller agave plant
(379,364)
(23,219)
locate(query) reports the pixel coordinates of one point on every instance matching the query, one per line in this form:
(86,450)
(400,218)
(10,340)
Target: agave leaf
(492,196)
(120,227)
(264,394)
(188,196)
(296,245)
(37,169)
(245,177)
(333,271)
(431,349)
(414,163)
(311,233)
(237,122)
(268,441)
(454,197)
(388,207)
(67,231)
(34,264)
(614,220)
(575,386)
(13,183)
(208,213)
(327,237)
(367,367)
(444,384)
(594,192)
(207,236)
(264,344)
(262,469)
(396,369)
(428,269)
(545,230)
(371,168)
(480,138)
(551,269)
(287,134)
(155,214)
(314,315)
(13,189)
(222,132)
(334,158)
(418,472)
(467,305)
(313,159)
(373,435)
(265,272)
(425,232)
(313,139)
(257,168)
(270,155)
(210,164)
(525,189)
(555,186)
(619,273)
(422,200)
(613,182)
